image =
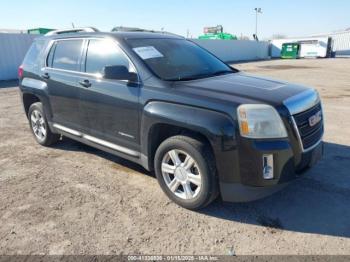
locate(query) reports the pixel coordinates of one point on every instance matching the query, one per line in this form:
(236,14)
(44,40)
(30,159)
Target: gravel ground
(73,199)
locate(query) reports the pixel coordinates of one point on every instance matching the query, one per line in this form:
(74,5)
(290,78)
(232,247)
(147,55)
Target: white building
(309,46)
(340,42)
(319,45)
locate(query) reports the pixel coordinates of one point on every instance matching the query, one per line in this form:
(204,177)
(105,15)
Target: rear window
(32,55)
(66,55)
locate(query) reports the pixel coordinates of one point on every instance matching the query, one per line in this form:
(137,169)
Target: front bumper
(252,185)
(291,156)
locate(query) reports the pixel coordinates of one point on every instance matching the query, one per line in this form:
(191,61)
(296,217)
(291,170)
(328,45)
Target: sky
(286,17)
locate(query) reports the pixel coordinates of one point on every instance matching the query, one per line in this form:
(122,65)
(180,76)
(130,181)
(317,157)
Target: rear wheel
(186,172)
(40,127)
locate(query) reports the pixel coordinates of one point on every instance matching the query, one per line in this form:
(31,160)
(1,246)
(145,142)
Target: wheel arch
(159,132)
(28,100)
(161,120)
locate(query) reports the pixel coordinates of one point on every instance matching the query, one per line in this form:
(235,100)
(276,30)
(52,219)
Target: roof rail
(73,30)
(128,29)
(136,29)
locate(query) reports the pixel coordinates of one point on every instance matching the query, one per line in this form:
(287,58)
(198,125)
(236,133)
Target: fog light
(268,166)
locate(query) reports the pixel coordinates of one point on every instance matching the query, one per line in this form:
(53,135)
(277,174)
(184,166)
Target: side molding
(68,130)
(97,140)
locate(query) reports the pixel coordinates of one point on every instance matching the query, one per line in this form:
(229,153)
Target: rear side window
(103,53)
(32,55)
(65,55)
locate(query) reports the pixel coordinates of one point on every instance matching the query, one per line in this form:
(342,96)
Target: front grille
(309,135)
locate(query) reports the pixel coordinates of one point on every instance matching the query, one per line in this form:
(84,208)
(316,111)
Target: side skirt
(103,145)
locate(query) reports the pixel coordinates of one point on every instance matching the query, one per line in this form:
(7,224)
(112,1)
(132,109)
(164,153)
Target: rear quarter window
(32,57)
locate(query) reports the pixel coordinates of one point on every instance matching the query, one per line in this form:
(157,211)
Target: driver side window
(101,53)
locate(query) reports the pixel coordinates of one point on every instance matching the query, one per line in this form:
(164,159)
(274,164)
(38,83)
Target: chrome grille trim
(295,127)
(302,101)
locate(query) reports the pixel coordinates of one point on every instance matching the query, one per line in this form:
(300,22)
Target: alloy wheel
(38,125)
(181,174)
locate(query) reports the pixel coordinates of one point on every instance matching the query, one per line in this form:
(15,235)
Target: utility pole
(257,11)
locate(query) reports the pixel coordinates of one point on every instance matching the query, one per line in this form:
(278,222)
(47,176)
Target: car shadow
(318,202)
(72,145)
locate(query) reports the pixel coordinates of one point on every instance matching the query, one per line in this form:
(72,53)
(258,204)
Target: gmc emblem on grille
(315,119)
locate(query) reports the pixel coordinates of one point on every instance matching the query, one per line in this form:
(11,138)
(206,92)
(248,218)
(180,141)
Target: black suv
(164,102)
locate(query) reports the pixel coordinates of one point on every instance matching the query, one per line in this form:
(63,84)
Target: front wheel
(186,172)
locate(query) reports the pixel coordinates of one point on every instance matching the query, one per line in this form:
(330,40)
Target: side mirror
(119,73)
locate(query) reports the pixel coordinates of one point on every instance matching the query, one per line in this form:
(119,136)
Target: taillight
(20,71)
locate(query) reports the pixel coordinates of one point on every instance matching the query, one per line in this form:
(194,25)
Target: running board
(68,130)
(97,141)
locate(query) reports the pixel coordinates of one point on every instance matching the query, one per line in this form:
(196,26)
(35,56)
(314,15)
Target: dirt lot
(73,199)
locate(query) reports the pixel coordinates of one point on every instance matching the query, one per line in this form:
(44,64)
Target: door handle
(85,83)
(45,75)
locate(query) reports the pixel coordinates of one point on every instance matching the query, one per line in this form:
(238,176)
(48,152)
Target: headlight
(260,121)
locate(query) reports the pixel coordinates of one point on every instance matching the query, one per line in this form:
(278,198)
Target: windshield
(178,59)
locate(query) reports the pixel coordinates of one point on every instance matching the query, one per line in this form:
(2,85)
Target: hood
(242,88)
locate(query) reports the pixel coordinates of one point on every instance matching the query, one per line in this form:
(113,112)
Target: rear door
(61,74)
(111,106)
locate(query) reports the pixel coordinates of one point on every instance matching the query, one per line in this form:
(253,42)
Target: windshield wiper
(200,76)
(222,72)
(188,78)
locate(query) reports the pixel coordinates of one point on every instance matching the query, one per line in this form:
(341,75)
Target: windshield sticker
(147,52)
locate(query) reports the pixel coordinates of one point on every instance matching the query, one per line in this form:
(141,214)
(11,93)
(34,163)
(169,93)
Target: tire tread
(205,151)
(51,138)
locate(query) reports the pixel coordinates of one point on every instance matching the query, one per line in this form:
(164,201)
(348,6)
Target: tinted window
(33,53)
(103,53)
(177,59)
(67,55)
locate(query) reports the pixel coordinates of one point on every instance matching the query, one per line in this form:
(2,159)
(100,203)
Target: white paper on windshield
(147,52)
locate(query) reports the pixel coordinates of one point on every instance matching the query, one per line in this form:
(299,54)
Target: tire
(39,126)
(192,181)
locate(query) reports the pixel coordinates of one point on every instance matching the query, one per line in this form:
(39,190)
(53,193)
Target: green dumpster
(223,36)
(216,32)
(39,31)
(290,50)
